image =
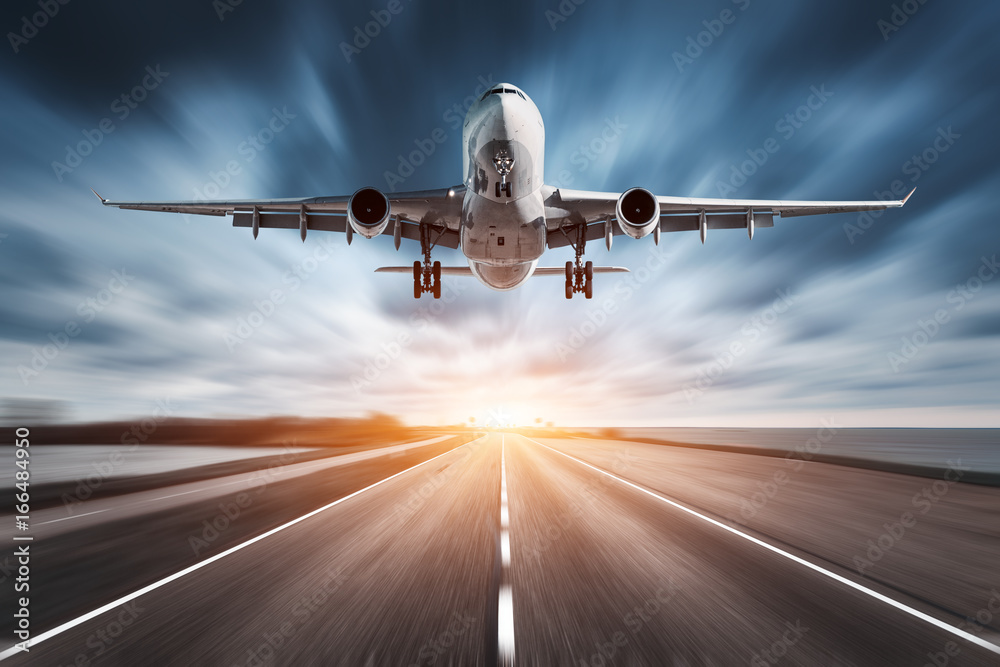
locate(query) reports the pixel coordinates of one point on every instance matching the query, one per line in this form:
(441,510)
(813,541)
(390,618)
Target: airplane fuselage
(503,232)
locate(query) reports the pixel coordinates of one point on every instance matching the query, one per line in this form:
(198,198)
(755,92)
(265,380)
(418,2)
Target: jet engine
(638,212)
(368,212)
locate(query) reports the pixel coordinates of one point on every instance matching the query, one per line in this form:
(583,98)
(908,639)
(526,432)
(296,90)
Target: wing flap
(338,223)
(689,223)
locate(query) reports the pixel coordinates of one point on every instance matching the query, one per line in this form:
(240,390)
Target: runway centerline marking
(801,561)
(505,603)
(69,625)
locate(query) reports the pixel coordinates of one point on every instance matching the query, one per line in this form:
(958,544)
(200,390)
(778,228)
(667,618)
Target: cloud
(335,338)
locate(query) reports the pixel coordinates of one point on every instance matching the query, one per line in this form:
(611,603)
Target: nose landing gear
(504,164)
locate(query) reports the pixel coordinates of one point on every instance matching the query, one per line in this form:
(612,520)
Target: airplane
(503,216)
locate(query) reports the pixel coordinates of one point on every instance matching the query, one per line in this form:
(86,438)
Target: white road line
(832,575)
(505,605)
(75,516)
(69,625)
(329,461)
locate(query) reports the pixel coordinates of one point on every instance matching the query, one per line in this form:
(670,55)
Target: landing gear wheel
(588,289)
(569,273)
(436,280)
(569,289)
(418,289)
(588,272)
(417,272)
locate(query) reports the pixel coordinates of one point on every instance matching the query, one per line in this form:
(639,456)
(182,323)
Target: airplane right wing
(570,213)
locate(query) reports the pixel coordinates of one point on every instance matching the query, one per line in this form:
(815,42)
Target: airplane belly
(503,234)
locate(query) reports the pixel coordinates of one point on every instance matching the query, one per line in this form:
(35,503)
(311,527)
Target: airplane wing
(440,210)
(566,210)
(465,271)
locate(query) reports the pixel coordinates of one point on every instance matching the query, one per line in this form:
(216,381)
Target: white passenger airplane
(503,216)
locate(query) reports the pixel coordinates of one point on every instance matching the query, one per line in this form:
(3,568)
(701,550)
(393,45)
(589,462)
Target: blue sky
(890,321)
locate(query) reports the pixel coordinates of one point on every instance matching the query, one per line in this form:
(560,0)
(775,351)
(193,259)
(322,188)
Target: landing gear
(579,276)
(504,164)
(427,276)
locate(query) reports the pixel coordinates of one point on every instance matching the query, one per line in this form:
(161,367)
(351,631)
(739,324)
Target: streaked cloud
(342,340)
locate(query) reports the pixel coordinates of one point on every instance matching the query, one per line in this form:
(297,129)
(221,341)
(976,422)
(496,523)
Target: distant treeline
(267,431)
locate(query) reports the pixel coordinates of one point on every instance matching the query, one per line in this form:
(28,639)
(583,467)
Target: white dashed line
(505,605)
(69,625)
(801,561)
(75,516)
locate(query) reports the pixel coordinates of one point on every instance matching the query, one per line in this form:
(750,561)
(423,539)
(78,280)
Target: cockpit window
(501,91)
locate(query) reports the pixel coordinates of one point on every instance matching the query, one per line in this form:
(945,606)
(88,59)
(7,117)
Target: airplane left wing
(437,210)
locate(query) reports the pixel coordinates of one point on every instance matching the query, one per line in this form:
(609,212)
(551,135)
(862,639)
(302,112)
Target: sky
(891,320)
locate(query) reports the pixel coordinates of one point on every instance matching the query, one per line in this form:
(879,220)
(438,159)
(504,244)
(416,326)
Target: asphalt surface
(403,562)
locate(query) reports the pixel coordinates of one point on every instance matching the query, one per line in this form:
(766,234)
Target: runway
(512,550)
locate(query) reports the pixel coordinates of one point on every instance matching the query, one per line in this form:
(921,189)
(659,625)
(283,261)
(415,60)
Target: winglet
(903,203)
(103,200)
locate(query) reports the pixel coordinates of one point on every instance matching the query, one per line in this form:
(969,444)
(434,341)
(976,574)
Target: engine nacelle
(368,212)
(638,212)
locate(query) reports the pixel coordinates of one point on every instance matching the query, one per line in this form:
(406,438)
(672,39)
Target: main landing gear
(427,275)
(579,276)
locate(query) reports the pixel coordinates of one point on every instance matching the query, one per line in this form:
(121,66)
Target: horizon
(881,320)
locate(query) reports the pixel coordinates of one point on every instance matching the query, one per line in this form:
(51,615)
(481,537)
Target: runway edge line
(993,648)
(69,625)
